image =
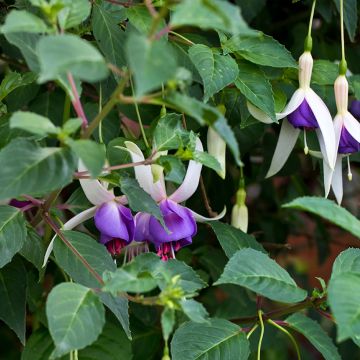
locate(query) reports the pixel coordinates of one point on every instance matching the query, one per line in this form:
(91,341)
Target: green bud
(342,67)
(308,43)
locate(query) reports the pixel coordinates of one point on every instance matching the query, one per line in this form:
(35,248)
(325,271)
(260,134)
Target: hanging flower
(217,148)
(347,134)
(113,220)
(179,220)
(239,214)
(305,111)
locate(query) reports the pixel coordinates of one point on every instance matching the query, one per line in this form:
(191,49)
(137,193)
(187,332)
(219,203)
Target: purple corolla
(354,108)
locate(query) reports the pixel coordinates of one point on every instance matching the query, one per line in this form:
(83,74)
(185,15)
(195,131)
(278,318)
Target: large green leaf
(253,84)
(256,271)
(73,13)
(39,346)
(209,14)
(217,339)
(62,54)
(150,70)
(13,81)
(29,169)
(350,16)
(232,239)
(75,316)
(347,262)
(12,233)
(109,37)
(216,70)
(315,334)
(13,297)
(328,210)
(141,19)
(33,249)
(206,115)
(261,49)
(32,123)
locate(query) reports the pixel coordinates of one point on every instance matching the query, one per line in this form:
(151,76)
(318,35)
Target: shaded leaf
(32,123)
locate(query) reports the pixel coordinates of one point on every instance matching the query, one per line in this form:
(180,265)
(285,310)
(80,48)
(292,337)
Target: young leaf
(73,13)
(232,239)
(194,310)
(33,123)
(29,169)
(13,297)
(62,54)
(216,70)
(256,271)
(315,334)
(217,339)
(12,233)
(75,316)
(152,62)
(328,210)
(167,322)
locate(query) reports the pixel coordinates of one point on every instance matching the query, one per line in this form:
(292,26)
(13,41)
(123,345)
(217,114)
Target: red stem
(76,102)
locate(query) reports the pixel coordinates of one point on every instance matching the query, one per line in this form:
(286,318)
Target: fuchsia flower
(179,220)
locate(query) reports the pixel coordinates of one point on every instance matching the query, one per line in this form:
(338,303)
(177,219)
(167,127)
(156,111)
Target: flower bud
(217,148)
(305,69)
(239,214)
(341,89)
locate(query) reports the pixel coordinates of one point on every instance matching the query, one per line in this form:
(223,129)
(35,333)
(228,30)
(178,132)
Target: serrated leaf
(73,13)
(347,261)
(194,310)
(350,16)
(91,154)
(257,272)
(232,239)
(150,70)
(23,21)
(75,316)
(218,339)
(253,84)
(261,49)
(216,70)
(13,297)
(210,14)
(33,249)
(62,54)
(315,334)
(206,159)
(12,233)
(206,115)
(328,210)
(32,123)
(30,163)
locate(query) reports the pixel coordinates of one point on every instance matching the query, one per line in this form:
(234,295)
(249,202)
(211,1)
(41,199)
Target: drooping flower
(217,147)
(239,213)
(347,134)
(179,220)
(355,108)
(305,111)
(113,220)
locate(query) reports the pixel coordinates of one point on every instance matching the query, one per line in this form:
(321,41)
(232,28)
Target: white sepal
(337,180)
(258,114)
(352,126)
(217,148)
(240,217)
(199,218)
(295,101)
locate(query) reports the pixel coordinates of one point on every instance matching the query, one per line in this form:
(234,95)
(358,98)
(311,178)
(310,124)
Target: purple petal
(347,144)
(19,204)
(142,227)
(303,117)
(115,221)
(355,108)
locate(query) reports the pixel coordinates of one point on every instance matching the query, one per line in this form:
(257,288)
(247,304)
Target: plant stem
(66,113)
(262,329)
(76,101)
(251,331)
(289,335)
(156,19)
(311,17)
(181,37)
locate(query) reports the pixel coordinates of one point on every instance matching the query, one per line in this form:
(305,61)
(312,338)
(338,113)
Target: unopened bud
(240,217)
(217,148)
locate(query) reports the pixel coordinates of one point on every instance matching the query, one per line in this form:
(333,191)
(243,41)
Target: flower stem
(289,335)
(308,39)
(251,331)
(343,64)
(76,101)
(262,329)
(181,37)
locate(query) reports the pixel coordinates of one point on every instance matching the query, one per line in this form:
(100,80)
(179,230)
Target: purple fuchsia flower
(113,220)
(354,108)
(347,135)
(179,220)
(305,111)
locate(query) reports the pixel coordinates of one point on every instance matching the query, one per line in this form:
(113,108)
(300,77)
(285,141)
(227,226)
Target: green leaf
(167,322)
(33,123)
(232,239)
(71,126)
(75,316)
(91,154)
(216,70)
(93,252)
(256,271)
(62,54)
(210,14)
(141,19)
(33,249)
(344,300)
(194,310)
(23,21)
(347,262)
(324,72)
(253,84)
(350,16)
(139,200)
(39,346)
(168,131)
(261,49)
(315,334)
(109,37)
(12,232)
(206,159)
(13,297)
(14,80)
(29,169)
(206,115)
(73,13)
(150,70)
(218,339)
(174,167)
(354,81)
(328,210)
